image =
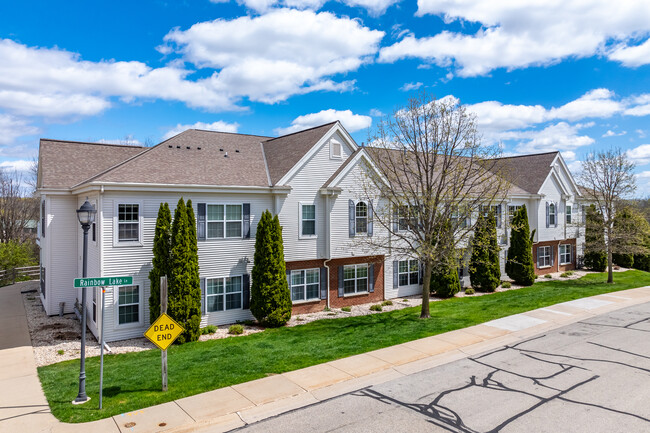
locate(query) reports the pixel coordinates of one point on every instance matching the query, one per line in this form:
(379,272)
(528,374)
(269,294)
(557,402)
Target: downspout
(328,240)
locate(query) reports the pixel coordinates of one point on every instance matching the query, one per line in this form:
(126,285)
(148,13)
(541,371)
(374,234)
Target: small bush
(236,329)
(331,314)
(548,276)
(506,284)
(405,300)
(300,319)
(60,352)
(385,303)
(536,276)
(469,291)
(346,309)
(569,273)
(376,307)
(327,308)
(248,322)
(210,329)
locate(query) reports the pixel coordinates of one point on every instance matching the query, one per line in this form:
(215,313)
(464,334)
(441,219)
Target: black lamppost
(86,215)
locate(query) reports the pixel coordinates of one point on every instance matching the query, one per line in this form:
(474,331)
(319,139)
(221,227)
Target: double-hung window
(361,217)
(355,279)
(223,293)
(565,254)
(305,284)
(568,214)
(128,304)
(403,218)
(458,220)
(308,220)
(543,257)
(224,221)
(512,210)
(409,272)
(496,211)
(128,222)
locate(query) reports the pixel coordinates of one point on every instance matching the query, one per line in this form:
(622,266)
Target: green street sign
(101,282)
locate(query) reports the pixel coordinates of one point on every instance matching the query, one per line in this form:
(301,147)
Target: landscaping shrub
(236,329)
(210,329)
(469,291)
(346,309)
(60,352)
(445,282)
(519,265)
(270,296)
(376,307)
(564,275)
(506,284)
(14,254)
(385,303)
(642,262)
(161,258)
(484,270)
(595,255)
(184,284)
(548,276)
(624,260)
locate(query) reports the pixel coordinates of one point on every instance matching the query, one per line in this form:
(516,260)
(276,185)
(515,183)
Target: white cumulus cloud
(12,128)
(219,125)
(640,155)
(350,121)
(519,34)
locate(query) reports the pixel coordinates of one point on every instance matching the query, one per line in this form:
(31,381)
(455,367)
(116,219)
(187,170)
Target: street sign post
(163,331)
(102,282)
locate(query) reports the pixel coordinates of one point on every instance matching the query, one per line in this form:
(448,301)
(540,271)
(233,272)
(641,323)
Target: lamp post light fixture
(86,215)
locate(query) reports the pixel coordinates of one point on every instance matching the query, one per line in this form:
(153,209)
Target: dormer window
(335,149)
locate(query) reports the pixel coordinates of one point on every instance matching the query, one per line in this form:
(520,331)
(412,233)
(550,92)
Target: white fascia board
(127,186)
(314,149)
(550,174)
(350,166)
(559,159)
(54,191)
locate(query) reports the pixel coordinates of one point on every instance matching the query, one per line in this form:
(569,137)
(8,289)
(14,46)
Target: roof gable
(528,172)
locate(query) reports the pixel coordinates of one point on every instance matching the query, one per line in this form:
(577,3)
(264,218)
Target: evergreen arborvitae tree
(161,258)
(520,266)
(270,296)
(484,273)
(184,284)
(595,252)
(445,282)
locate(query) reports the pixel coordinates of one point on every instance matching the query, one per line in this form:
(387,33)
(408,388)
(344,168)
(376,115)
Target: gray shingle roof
(66,163)
(284,152)
(527,171)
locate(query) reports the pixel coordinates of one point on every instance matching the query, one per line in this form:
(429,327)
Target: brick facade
(556,267)
(335,300)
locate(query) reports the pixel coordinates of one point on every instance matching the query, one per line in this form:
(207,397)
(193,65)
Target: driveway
(590,376)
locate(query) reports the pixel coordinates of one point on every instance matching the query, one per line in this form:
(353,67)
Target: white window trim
(357,293)
(331,146)
(549,257)
(408,272)
(96,224)
(303,301)
(224,204)
(116,241)
(568,214)
(116,303)
(554,214)
(225,310)
(300,235)
(559,254)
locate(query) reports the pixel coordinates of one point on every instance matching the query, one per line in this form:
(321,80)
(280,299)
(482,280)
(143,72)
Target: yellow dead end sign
(163,331)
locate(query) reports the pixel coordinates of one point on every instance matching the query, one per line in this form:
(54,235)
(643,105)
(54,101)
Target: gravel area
(56,339)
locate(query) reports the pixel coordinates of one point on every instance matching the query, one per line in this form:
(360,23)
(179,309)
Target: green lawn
(132,381)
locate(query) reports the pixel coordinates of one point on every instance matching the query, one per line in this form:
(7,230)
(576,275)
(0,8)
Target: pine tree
(445,282)
(520,266)
(270,296)
(161,258)
(184,286)
(595,251)
(484,273)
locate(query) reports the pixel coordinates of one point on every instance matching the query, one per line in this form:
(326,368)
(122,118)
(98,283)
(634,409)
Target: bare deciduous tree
(18,209)
(434,174)
(608,177)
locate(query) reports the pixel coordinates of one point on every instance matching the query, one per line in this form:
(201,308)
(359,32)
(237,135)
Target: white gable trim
(337,127)
(569,176)
(355,160)
(557,164)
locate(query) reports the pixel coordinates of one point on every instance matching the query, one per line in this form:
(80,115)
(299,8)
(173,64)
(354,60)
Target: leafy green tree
(520,266)
(484,272)
(161,258)
(184,283)
(270,296)
(631,236)
(15,254)
(595,250)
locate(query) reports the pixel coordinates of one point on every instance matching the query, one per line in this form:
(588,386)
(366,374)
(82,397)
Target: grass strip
(132,380)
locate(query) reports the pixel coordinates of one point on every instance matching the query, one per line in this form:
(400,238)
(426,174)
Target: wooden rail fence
(10,276)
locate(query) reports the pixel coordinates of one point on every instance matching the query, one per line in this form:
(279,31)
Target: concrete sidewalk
(23,406)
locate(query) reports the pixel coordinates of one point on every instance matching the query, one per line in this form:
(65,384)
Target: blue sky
(541,75)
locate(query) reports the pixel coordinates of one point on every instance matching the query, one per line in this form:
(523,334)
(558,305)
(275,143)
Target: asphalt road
(591,376)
